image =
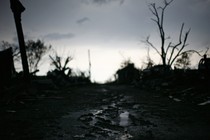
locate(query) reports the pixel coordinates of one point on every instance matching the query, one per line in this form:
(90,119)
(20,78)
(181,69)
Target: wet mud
(106,113)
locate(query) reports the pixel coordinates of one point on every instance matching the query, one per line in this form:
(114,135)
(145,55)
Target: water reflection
(124,119)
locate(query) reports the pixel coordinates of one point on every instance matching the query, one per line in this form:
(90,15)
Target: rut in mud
(104,112)
(109,115)
(111,120)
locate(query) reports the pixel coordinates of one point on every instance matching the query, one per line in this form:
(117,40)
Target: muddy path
(106,113)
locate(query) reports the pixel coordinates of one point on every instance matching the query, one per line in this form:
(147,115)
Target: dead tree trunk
(170,52)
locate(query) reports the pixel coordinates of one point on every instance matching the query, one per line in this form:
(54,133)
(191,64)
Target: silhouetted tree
(61,69)
(184,61)
(149,64)
(35,51)
(171,51)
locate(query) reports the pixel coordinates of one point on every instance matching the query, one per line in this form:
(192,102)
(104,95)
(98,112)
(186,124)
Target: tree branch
(154,11)
(178,44)
(54,62)
(159,14)
(169,46)
(191,51)
(151,45)
(183,46)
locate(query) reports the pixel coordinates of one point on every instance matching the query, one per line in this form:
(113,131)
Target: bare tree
(62,69)
(35,51)
(171,51)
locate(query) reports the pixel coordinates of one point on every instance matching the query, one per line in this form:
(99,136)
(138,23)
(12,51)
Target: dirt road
(103,112)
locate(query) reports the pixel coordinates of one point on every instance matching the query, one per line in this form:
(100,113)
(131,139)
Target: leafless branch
(182,47)
(55,62)
(154,11)
(169,46)
(171,51)
(191,51)
(151,45)
(207,49)
(178,44)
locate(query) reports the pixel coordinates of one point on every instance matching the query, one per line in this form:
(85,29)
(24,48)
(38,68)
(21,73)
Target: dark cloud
(100,2)
(201,1)
(27,36)
(203,4)
(58,36)
(82,20)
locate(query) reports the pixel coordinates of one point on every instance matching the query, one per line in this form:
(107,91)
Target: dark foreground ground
(102,112)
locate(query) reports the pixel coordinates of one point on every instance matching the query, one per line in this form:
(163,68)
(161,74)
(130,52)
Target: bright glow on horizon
(105,61)
(111,31)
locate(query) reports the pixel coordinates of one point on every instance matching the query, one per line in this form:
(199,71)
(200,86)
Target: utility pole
(89,64)
(17,8)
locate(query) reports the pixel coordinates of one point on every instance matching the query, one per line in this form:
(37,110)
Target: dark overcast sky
(107,27)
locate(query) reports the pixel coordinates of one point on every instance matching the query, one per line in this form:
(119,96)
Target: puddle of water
(125,98)
(104,90)
(136,106)
(109,120)
(97,112)
(124,119)
(113,105)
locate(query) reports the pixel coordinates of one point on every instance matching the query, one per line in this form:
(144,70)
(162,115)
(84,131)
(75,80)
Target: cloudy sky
(112,30)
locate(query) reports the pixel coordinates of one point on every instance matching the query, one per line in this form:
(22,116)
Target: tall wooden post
(89,64)
(17,8)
